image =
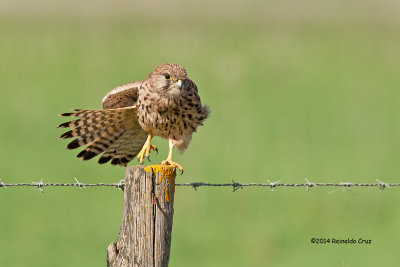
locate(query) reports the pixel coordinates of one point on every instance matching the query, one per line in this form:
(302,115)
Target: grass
(287,102)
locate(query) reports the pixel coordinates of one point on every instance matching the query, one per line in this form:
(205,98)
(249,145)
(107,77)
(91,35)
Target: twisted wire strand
(272,185)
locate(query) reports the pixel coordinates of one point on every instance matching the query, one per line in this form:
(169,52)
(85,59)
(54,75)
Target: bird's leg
(169,161)
(147,147)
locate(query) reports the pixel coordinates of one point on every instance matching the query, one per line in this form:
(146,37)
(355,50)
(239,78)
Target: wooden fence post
(145,233)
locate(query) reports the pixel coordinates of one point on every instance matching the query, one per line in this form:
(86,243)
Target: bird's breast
(170,124)
(169,118)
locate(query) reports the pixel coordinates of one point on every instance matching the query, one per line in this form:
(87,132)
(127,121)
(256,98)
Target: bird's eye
(167,77)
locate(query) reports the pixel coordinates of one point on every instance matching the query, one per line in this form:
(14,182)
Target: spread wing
(122,96)
(113,131)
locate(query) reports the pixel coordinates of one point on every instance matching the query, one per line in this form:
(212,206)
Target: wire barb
(195,185)
(236,186)
(79,184)
(382,185)
(308,184)
(40,185)
(2,184)
(273,184)
(120,185)
(346,185)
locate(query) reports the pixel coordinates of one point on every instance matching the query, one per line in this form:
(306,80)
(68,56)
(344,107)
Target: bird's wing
(122,96)
(193,103)
(114,132)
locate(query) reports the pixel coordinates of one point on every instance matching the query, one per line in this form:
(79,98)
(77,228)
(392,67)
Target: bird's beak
(179,84)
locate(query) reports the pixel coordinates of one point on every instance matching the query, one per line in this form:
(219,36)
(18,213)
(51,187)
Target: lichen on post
(168,173)
(146,226)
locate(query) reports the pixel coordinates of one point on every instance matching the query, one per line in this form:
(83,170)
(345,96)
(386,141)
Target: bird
(165,104)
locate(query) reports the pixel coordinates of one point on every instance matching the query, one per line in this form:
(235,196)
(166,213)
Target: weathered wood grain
(145,233)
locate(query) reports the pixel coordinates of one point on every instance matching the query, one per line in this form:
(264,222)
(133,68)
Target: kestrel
(165,104)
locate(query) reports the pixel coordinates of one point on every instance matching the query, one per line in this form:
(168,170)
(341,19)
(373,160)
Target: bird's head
(169,80)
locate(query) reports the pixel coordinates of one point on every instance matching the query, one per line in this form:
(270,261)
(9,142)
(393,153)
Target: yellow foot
(145,152)
(173,164)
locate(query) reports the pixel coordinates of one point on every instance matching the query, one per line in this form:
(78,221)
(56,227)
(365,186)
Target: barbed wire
(272,185)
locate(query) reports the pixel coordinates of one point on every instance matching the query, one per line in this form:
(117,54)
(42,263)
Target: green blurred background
(297,89)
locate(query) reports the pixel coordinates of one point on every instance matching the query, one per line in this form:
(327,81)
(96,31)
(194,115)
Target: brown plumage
(165,104)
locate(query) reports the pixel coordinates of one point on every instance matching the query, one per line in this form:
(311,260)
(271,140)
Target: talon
(145,152)
(140,156)
(173,164)
(149,148)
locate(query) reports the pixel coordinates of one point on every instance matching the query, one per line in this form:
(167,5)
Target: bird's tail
(113,132)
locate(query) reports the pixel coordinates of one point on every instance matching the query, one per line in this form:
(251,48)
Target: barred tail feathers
(115,132)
